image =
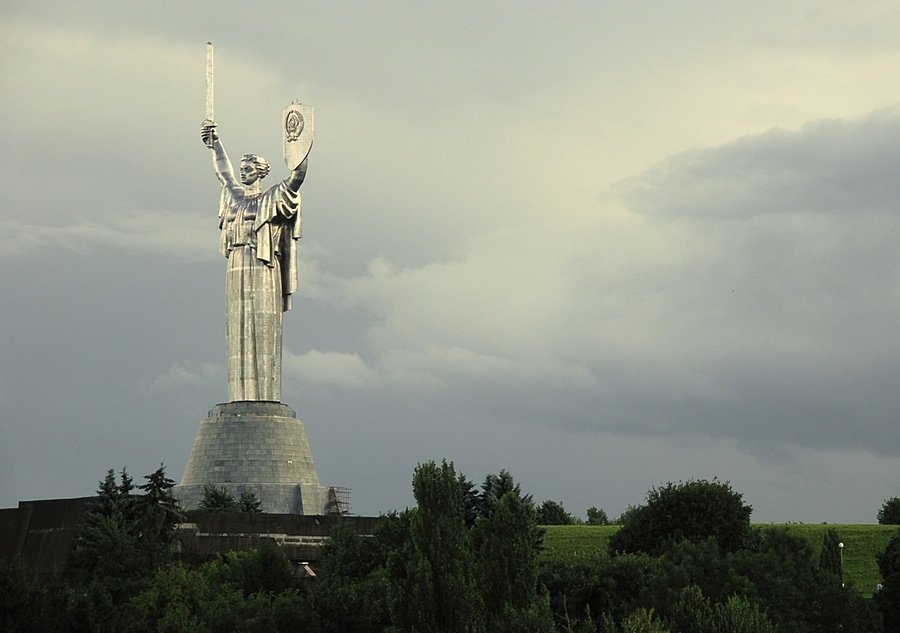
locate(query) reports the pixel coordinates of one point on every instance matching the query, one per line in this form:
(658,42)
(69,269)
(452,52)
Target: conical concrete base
(259,447)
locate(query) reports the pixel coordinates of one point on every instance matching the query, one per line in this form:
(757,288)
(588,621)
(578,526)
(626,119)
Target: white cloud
(329,369)
(188,375)
(152,231)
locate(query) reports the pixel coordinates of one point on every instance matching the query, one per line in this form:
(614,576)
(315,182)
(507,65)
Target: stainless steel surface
(210,111)
(259,229)
(298,127)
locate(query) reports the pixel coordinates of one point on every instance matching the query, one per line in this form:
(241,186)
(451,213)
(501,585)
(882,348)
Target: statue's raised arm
(221,163)
(297,176)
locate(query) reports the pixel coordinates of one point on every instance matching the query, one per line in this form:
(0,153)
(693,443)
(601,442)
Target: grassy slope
(861,544)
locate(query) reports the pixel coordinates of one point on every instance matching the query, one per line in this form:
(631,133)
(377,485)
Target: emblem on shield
(297,126)
(293,125)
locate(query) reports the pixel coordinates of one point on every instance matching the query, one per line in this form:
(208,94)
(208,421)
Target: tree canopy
(694,510)
(218,499)
(889,514)
(553,513)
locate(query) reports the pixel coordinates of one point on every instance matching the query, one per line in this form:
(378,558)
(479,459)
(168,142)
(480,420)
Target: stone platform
(259,447)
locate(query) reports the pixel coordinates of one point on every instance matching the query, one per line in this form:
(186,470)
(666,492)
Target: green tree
(262,569)
(553,513)
(173,601)
(106,542)
(123,535)
(597,586)
(694,613)
(643,620)
(693,510)
(123,540)
(249,503)
(432,577)
(29,604)
(349,591)
(597,516)
(830,556)
(506,568)
(471,499)
(493,488)
(888,596)
(217,500)
(158,513)
(889,514)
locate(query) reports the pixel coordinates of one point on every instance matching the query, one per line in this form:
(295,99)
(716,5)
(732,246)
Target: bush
(597,516)
(890,512)
(695,511)
(553,513)
(694,613)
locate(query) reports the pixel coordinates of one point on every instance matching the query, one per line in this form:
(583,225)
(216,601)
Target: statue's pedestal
(259,447)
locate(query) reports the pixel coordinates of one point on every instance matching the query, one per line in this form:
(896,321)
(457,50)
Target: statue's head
(253,168)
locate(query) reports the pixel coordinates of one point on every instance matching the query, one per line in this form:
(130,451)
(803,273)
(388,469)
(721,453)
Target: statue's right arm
(221,163)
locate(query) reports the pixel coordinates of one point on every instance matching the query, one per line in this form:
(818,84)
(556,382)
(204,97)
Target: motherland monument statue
(253,442)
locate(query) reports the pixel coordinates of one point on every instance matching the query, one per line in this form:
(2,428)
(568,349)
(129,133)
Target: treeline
(466,559)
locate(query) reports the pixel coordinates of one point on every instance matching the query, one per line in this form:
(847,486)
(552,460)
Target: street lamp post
(841,550)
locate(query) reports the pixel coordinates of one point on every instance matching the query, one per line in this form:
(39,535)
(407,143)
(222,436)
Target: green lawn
(861,544)
(577,540)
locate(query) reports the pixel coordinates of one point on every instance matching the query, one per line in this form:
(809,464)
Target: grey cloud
(769,325)
(843,167)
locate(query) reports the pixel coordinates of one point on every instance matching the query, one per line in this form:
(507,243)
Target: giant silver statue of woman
(254,442)
(259,232)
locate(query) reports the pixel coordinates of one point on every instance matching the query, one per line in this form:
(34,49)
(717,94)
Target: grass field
(861,544)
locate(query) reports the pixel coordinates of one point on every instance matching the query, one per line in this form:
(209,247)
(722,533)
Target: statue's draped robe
(259,237)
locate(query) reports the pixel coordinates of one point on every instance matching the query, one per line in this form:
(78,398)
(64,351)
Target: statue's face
(249,175)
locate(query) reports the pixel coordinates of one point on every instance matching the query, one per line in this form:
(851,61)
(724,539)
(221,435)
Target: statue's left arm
(297,176)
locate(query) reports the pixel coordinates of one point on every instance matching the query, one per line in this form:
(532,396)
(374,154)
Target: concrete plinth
(259,447)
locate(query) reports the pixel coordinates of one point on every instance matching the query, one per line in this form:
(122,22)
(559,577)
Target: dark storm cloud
(841,167)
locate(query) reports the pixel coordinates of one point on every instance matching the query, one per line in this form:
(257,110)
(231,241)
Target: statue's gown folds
(259,236)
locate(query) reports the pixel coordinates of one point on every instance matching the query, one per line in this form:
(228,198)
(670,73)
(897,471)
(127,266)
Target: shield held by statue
(297,125)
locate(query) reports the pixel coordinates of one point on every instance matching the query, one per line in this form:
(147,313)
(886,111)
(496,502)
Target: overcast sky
(601,245)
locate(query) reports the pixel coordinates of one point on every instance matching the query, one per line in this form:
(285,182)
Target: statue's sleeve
(280,204)
(290,204)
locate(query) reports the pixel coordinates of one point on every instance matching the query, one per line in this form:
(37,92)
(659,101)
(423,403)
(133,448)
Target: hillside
(861,544)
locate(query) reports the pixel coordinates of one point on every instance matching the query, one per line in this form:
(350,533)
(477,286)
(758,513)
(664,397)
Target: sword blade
(210,114)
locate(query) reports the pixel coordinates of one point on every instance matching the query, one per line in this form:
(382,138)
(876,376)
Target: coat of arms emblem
(298,129)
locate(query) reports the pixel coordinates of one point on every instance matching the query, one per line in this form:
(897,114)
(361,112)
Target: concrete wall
(41,533)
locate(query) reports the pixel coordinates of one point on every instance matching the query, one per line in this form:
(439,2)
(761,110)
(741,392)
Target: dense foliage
(889,514)
(830,558)
(693,510)
(218,499)
(888,596)
(553,513)
(127,535)
(465,559)
(597,516)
